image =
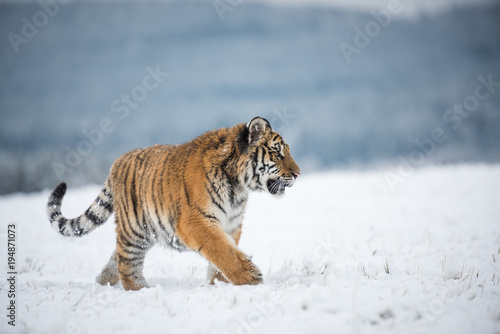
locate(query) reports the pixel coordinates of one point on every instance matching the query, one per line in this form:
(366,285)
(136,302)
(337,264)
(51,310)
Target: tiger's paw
(134,283)
(108,277)
(249,274)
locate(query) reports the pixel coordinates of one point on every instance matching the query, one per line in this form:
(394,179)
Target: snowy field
(340,253)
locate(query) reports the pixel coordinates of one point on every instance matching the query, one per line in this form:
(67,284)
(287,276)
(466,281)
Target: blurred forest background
(85,83)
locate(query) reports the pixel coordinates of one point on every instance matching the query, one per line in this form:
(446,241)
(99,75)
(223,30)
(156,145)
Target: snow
(340,252)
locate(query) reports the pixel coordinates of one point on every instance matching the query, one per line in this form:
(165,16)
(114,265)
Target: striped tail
(94,216)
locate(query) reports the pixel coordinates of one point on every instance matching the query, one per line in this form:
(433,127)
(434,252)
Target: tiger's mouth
(277,187)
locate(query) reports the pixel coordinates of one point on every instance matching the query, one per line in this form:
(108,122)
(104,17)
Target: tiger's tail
(98,212)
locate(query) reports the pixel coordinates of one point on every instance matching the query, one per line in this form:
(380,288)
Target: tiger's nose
(295,175)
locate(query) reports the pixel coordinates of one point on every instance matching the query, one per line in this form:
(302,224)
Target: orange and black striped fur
(189,197)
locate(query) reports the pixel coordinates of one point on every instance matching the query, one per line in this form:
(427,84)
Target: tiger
(188,197)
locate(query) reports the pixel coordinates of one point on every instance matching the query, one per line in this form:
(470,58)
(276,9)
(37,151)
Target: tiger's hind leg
(109,273)
(131,252)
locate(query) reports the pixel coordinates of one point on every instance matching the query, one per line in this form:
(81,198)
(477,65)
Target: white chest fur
(230,213)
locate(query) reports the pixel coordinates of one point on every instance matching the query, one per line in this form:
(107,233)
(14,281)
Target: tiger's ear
(256,128)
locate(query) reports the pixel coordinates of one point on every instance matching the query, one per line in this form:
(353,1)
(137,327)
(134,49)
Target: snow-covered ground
(340,253)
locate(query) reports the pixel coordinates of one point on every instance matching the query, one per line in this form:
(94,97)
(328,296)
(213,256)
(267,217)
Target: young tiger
(189,196)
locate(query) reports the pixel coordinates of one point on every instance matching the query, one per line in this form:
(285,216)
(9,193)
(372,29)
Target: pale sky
(411,7)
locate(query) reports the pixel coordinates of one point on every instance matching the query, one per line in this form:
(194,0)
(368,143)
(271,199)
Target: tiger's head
(270,166)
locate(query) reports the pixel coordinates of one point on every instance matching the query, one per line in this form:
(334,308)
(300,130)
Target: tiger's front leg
(220,249)
(215,274)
